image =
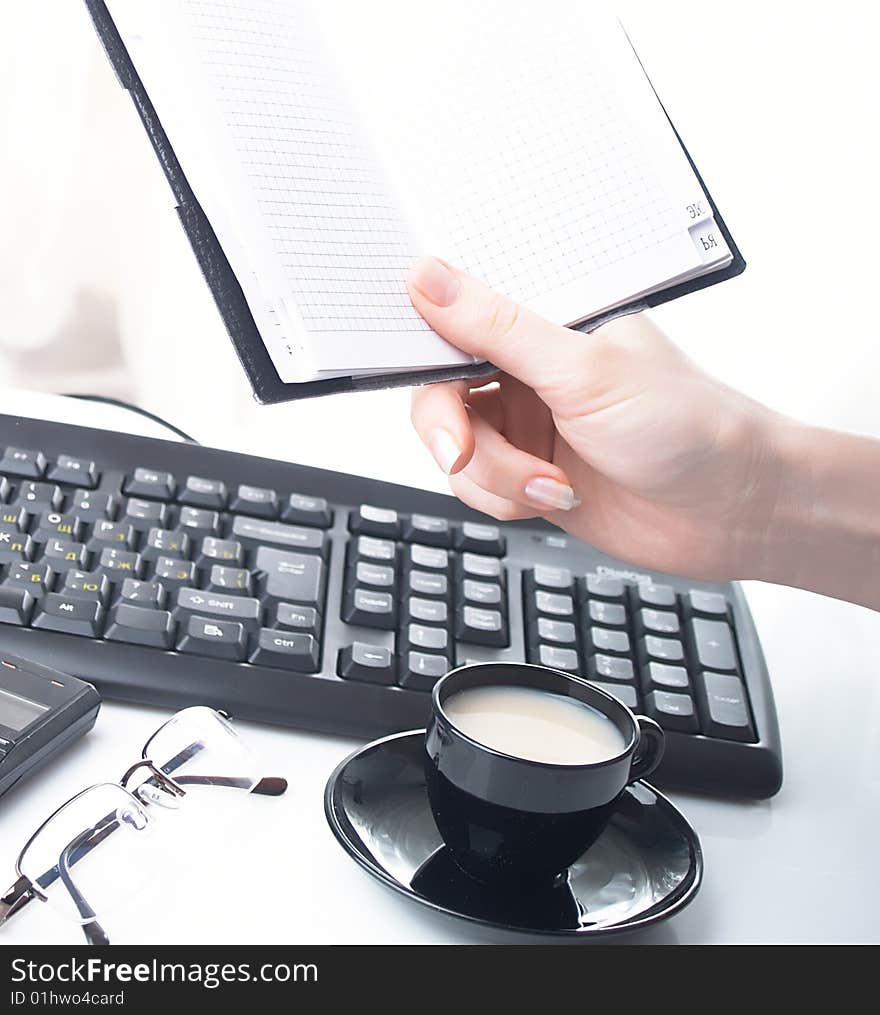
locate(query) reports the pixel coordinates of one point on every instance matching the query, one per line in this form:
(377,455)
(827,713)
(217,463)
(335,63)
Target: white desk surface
(799,868)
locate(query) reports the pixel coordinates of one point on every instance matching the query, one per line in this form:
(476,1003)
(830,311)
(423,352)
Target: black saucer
(646,865)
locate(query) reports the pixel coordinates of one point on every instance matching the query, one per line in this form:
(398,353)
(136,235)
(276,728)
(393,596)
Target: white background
(778,105)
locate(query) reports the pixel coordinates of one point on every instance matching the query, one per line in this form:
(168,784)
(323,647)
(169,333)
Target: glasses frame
(24,890)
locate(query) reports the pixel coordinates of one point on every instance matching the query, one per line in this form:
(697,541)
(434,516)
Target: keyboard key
(553,604)
(173,572)
(144,515)
(254,532)
(607,614)
(140,625)
(428,531)
(218,638)
(426,558)
(74,471)
(651,594)
(480,538)
(150,595)
(664,649)
(201,492)
(371,609)
(16,517)
(474,565)
(377,576)
(431,639)
(724,706)
(554,579)
(481,593)
(35,578)
(86,585)
(51,525)
(5,489)
(165,543)
(39,497)
(601,667)
(285,650)
(657,621)
(243,609)
(665,677)
(713,644)
(290,577)
(710,604)
(557,632)
(24,463)
(426,611)
(673,711)
(482,627)
(382,551)
(63,554)
(604,586)
(214,550)
(69,615)
(559,658)
(421,670)
(106,533)
(374,521)
(296,618)
(16,605)
(604,640)
(199,521)
(307,511)
(372,663)
(120,564)
(90,505)
(15,546)
(426,583)
(150,483)
(229,579)
(623,692)
(257,501)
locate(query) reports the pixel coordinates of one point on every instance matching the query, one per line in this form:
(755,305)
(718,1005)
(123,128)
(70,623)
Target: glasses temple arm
(16,898)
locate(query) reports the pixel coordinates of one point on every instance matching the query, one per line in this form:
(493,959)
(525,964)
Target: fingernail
(550,493)
(434,281)
(444,449)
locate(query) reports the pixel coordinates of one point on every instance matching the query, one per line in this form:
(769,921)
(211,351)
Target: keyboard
(170,574)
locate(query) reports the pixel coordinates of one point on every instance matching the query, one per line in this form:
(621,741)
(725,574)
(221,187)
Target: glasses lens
(94,855)
(204,755)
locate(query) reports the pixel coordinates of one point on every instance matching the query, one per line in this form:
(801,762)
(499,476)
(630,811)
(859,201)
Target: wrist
(819,528)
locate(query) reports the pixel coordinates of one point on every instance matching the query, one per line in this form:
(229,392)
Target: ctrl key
(285,650)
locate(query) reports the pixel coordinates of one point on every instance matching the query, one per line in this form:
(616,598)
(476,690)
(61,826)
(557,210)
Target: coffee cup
(524,767)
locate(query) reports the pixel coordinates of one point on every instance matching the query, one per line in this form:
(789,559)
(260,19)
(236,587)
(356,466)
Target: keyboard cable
(120,404)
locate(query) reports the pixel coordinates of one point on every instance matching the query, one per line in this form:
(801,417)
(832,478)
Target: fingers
(479,499)
(442,422)
(485,323)
(511,474)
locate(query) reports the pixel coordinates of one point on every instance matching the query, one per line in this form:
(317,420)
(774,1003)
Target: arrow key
(372,663)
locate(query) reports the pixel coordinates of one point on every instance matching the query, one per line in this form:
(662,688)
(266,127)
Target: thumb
(474,318)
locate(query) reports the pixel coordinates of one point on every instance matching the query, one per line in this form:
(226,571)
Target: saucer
(646,866)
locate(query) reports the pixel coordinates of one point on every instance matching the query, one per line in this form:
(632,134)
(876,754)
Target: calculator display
(17,712)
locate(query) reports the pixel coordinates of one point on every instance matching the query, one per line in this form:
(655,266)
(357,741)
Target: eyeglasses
(96,851)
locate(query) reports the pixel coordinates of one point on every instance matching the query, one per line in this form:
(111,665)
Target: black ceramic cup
(505,818)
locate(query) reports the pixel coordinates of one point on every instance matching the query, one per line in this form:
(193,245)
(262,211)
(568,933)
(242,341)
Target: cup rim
(549,765)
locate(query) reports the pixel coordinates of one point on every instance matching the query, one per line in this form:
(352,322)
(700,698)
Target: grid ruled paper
(340,238)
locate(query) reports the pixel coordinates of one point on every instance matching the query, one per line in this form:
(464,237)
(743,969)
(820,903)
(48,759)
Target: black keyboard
(172,574)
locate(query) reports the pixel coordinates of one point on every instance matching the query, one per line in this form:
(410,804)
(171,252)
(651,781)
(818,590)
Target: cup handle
(649,750)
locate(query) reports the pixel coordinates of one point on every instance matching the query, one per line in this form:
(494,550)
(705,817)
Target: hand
(615,436)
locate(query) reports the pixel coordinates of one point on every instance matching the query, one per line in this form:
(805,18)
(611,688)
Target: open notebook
(317,147)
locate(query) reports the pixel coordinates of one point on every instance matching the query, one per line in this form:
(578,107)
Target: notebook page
(248,95)
(527,146)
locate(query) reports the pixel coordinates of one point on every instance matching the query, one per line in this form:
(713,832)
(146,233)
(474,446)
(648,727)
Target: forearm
(823,532)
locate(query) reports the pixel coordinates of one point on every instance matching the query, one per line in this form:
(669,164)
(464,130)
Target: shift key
(256,532)
(196,602)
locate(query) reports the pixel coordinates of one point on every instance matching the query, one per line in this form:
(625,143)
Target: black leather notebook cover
(228,295)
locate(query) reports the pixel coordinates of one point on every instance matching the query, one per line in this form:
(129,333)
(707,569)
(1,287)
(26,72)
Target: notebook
(317,147)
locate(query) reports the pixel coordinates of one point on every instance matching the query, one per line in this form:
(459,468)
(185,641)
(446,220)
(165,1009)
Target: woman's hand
(615,436)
